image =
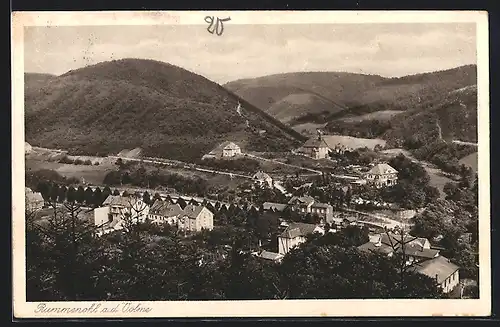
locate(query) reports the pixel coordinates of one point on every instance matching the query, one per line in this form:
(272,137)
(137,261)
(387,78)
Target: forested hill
(163,109)
(321,97)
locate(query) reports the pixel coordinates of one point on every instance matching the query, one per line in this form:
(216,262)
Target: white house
(307,204)
(315,148)
(262,179)
(442,270)
(295,234)
(382,175)
(116,209)
(195,218)
(164,212)
(34,200)
(224,150)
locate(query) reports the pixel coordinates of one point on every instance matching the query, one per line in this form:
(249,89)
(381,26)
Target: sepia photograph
(292,164)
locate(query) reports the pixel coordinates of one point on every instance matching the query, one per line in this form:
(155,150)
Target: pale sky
(256,50)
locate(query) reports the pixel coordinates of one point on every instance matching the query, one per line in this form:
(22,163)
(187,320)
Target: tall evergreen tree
(71,194)
(80,194)
(89,196)
(98,197)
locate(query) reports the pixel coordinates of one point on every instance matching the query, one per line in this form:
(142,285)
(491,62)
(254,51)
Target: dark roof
(397,240)
(165,208)
(270,255)
(371,247)
(301,199)
(417,251)
(298,229)
(192,211)
(439,267)
(315,142)
(116,200)
(274,206)
(322,205)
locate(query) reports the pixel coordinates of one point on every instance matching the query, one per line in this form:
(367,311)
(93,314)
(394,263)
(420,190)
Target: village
(317,200)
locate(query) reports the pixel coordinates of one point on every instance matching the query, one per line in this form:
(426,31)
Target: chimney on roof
(320,135)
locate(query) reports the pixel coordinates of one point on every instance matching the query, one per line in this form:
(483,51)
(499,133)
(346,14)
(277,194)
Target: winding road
(464,143)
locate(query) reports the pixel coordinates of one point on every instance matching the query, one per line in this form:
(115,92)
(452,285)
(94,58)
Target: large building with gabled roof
(316,148)
(226,149)
(382,175)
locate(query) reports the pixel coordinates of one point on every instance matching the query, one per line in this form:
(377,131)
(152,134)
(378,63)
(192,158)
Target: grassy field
(212,179)
(91,174)
(470,161)
(308,129)
(438,179)
(95,174)
(377,115)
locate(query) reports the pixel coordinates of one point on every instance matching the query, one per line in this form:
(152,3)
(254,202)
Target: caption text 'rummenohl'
(94,308)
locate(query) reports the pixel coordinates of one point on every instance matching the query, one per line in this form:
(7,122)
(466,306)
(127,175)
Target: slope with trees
(163,109)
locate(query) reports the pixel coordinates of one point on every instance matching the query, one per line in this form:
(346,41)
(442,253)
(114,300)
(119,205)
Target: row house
(307,204)
(193,218)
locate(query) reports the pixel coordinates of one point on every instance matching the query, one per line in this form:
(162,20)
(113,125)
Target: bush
(66,160)
(96,163)
(87,162)
(78,162)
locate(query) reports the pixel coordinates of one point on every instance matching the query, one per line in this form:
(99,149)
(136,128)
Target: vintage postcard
(250,164)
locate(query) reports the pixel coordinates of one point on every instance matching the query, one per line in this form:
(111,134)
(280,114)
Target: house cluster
(304,205)
(379,176)
(223,151)
(117,211)
(420,257)
(321,146)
